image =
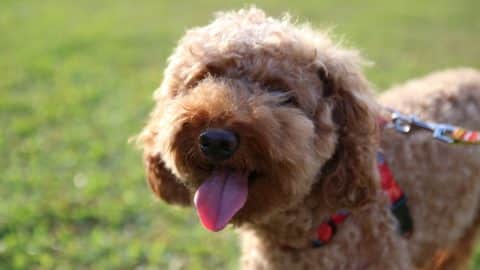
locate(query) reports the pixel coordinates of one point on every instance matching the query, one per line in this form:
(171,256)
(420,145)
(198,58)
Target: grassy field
(76,79)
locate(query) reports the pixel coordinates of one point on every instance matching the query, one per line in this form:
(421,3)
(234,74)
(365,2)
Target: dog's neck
(294,227)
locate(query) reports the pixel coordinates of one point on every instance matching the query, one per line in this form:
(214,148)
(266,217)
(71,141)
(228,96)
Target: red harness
(404,124)
(326,230)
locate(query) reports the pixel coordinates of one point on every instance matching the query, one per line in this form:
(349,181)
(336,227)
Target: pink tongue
(220,197)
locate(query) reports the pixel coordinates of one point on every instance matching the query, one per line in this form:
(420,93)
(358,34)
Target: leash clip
(405,123)
(442,132)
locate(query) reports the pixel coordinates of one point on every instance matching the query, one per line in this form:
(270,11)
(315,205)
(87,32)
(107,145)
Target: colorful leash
(442,132)
(460,135)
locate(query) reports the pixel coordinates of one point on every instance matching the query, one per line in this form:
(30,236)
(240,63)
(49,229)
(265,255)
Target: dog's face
(248,115)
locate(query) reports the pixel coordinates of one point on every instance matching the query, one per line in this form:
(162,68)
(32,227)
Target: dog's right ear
(160,178)
(163,183)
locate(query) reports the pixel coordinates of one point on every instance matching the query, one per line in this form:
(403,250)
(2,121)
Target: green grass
(76,79)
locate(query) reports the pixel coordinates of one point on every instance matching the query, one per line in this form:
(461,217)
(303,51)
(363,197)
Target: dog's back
(442,181)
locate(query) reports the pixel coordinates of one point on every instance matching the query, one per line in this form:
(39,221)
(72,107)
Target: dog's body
(442,182)
(273,128)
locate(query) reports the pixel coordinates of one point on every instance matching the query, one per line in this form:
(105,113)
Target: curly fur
(306,120)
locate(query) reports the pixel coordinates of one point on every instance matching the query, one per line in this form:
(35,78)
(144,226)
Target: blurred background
(76,79)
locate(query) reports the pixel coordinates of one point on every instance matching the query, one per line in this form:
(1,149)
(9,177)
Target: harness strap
(398,200)
(327,229)
(397,197)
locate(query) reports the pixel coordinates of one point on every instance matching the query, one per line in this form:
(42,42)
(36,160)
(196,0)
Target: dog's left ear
(349,177)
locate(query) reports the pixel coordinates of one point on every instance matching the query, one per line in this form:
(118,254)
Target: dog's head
(252,114)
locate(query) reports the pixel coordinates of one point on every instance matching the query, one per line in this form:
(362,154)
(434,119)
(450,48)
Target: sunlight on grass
(76,82)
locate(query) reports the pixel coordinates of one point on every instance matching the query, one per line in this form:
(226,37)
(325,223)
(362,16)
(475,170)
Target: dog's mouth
(221,196)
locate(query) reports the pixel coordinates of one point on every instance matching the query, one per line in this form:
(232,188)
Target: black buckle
(402,213)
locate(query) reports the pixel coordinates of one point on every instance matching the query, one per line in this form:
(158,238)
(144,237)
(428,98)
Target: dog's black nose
(218,144)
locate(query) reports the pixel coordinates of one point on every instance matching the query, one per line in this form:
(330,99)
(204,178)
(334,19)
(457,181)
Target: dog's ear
(349,177)
(160,179)
(163,183)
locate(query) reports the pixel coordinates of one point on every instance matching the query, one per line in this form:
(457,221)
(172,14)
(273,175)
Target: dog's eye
(280,89)
(285,97)
(289,99)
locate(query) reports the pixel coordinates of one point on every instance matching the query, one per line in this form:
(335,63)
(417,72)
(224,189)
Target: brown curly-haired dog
(272,127)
